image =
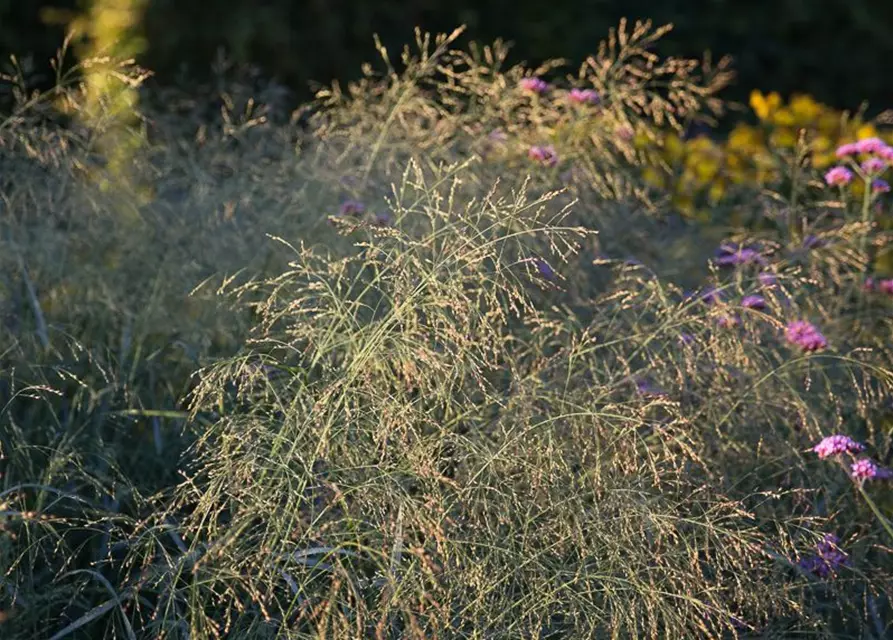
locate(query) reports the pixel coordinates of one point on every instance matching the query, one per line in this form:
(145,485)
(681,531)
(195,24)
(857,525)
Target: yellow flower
(674,149)
(823,159)
(717,191)
(762,105)
(784,138)
(783,117)
(705,169)
(806,111)
(653,177)
(684,204)
(866,131)
(744,138)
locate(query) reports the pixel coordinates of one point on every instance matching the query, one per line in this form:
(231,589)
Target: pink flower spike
(805,335)
(544,154)
(534,85)
(874,165)
(870,145)
(838,176)
(583,96)
(845,150)
(835,445)
(864,469)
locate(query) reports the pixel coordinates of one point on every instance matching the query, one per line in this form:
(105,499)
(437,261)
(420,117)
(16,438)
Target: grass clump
(440,364)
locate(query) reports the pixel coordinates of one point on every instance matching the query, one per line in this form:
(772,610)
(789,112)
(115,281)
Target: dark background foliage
(836,50)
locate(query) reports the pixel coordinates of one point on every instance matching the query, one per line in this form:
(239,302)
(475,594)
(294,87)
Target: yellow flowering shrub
(701,172)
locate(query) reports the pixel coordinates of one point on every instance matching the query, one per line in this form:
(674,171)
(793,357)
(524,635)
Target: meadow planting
(464,349)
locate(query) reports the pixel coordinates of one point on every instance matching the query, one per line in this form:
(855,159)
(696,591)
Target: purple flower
(885,286)
(753,302)
(828,559)
(648,390)
(686,338)
(869,284)
(583,96)
(767,279)
(382,220)
(534,85)
(838,176)
(498,135)
(544,269)
(727,320)
(544,154)
(870,146)
(710,295)
(813,242)
(880,186)
(874,165)
(886,153)
(835,445)
(733,255)
(805,335)
(352,208)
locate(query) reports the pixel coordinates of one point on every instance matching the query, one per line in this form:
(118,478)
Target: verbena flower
(583,96)
(885,286)
(544,269)
(805,335)
(686,338)
(727,320)
(835,445)
(544,154)
(874,165)
(382,220)
(753,302)
(863,469)
(880,186)
(767,279)
(829,557)
(352,208)
(812,241)
(709,295)
(845,150)
(733,255)
(870,146)
(838,176)
(534,85)
(649,390)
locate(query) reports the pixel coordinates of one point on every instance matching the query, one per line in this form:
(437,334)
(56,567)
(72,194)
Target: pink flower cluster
(879,160)
(837,444)
(534,85)
(838,176)
(868,147)
(544,154)
(805,335)
(583,96)
(884,285)
(865,469)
